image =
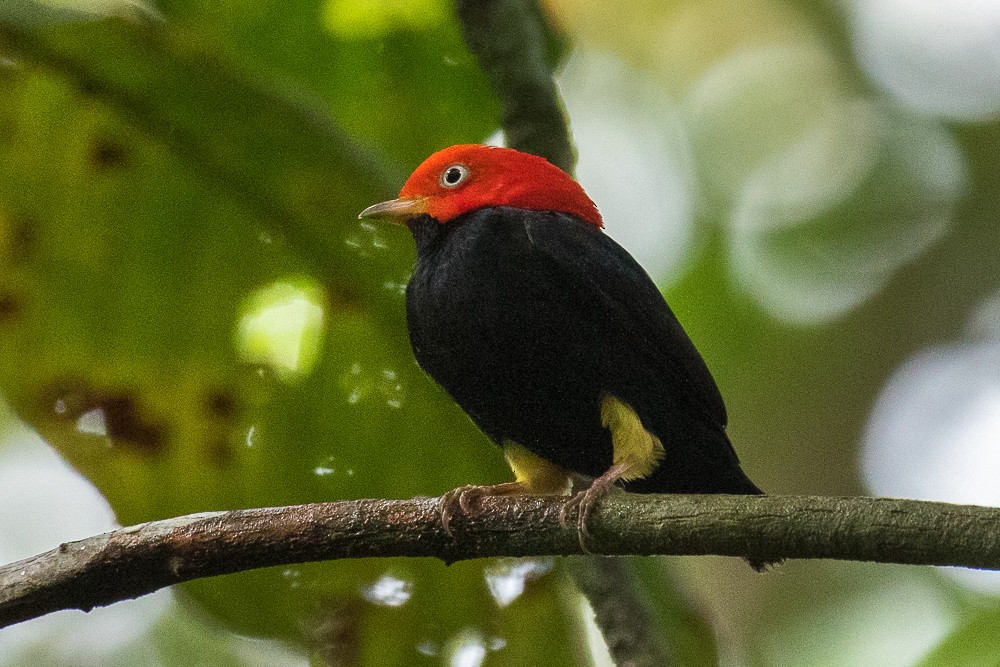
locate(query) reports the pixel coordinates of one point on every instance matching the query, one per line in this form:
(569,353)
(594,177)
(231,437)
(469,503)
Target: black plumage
(528,318)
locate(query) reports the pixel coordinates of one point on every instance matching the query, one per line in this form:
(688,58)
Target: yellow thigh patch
(635,448)
(538,476)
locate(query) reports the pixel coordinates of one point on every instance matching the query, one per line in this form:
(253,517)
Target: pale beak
(398,210)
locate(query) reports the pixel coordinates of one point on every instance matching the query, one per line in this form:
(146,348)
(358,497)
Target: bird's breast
(489,321)
(472,295)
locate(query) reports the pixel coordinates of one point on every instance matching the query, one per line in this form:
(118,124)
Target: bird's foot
(585,501)
(459,501)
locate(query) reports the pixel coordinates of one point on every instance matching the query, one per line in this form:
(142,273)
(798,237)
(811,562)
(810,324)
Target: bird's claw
(461,499)
(457,500)
(584,503)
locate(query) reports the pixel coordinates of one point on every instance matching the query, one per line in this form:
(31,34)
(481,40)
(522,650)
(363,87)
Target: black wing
(610,283)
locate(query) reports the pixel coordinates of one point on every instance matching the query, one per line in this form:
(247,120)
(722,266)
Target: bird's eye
(454,175)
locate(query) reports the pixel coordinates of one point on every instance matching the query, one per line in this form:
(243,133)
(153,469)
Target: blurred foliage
(156,202)
(192,315)
(972,644)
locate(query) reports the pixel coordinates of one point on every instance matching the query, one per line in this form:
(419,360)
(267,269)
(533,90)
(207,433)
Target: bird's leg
(533,474)
(636,453)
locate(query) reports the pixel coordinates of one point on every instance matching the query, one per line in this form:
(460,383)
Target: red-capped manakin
(552,337)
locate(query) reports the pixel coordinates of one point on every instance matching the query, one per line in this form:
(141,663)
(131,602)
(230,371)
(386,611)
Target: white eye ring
(454,175)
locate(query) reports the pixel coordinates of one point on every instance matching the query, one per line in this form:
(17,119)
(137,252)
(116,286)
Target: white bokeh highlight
(634,158)
(820,229)
(826,192)
(751,107)
(934,431)
(388,591)
(938,58)
(506,578)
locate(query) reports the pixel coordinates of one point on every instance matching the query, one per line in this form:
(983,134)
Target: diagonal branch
(223,127)
(508,40)
(137,560)
(624,616)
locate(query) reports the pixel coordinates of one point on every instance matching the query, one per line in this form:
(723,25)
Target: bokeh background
(192,318)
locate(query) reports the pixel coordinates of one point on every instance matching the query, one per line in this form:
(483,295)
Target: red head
(467,177)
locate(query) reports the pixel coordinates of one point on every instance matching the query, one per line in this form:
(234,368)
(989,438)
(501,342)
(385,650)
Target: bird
(553,338)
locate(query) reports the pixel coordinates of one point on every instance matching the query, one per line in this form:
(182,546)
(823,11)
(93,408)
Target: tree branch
(507,38)
(137,560)
(624,616)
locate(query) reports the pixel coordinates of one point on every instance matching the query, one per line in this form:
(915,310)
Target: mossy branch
(137,560)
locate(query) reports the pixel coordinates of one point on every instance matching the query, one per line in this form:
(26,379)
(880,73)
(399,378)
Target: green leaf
(283,163)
